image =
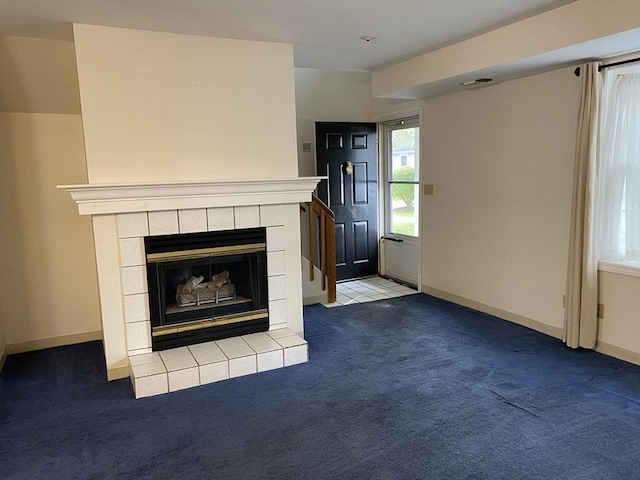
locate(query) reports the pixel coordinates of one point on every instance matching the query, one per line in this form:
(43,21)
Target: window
(402,140)
(619,168)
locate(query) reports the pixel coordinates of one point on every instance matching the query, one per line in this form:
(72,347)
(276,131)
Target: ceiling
(324,33)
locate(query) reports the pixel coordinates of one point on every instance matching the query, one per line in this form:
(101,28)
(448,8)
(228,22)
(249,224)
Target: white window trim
(385,167)
(630,269)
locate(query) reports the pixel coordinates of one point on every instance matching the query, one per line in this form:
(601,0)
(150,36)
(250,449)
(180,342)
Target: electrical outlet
(601,310)
(428,189)
(306,147)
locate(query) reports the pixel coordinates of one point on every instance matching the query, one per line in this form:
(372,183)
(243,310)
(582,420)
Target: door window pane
(403,180)
(404,143)
(404,208)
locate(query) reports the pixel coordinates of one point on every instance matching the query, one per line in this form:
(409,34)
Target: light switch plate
(428,189)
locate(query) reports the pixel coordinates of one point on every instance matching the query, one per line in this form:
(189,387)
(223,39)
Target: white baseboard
(116,373)
(604,348)
(43,343)
(3,358)
(550,330)
(315,300)
(618,352)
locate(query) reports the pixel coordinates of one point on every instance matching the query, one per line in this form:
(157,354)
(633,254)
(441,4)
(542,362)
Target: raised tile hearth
(186,367)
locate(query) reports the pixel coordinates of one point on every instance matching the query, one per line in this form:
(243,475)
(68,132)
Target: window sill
(631,269)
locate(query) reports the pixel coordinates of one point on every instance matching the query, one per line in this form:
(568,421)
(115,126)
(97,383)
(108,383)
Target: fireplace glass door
(206,286)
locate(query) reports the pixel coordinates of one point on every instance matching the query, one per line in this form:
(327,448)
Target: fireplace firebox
(206,286)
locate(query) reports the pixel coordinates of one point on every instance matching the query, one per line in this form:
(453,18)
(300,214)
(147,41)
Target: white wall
(48,286)
(501,160)
(163,107)
(3,343)
(48,292)
(495,234)
(38,76)
(619,330)
(327,96)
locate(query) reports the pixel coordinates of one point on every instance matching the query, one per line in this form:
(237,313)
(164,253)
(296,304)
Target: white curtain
(619,173)
(581,313)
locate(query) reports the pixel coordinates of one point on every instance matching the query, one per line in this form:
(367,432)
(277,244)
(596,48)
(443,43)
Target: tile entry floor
(368,289)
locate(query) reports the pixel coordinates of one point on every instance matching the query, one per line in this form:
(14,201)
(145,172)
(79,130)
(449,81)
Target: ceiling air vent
(477,81)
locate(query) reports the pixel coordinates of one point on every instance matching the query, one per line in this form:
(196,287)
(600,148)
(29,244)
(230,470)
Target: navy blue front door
(347,153)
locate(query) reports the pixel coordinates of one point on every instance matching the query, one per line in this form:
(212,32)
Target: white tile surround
(133,227)
(124,214)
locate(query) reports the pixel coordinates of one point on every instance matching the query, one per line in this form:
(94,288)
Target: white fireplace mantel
(124,214)
(100,199)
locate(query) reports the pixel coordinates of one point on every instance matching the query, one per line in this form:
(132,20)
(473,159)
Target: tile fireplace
(129,219)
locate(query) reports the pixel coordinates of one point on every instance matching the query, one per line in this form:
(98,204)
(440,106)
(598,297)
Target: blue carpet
(407,388)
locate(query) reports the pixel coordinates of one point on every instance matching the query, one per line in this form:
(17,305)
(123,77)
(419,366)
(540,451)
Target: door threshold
(386,277)
(401,282)
(359,278)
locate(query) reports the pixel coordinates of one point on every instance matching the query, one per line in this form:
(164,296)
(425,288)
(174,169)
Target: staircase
(321,251)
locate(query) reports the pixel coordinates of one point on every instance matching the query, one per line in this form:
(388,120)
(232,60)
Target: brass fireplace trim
(205,252)
(209,322)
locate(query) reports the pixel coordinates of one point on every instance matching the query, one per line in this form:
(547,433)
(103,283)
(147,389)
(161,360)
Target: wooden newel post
(331,259)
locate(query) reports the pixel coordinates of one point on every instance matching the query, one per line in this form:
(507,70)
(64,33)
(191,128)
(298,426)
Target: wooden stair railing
(327,238)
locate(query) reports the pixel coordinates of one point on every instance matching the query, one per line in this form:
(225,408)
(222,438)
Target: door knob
(347,168)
